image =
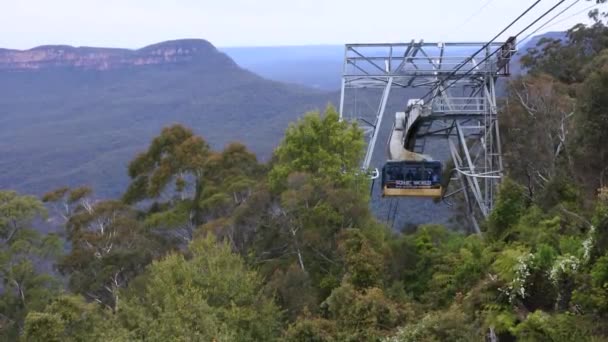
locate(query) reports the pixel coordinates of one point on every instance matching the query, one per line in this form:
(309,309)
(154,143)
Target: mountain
(71,116)
(320,66)
(87,58)
(317,66)
(532,43)
(77,115)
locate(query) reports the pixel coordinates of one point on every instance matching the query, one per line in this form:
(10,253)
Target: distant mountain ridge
(320,66)
(76,116)
(93,58)
(316,66)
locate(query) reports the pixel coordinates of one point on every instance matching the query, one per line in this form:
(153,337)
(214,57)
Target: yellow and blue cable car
(412,179)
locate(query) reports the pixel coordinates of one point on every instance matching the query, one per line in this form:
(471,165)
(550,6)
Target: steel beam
(380,115)
(469,104)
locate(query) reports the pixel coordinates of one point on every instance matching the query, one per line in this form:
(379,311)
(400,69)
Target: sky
(136,23)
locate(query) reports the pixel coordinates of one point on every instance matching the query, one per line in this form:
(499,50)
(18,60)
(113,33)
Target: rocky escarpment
(54,56)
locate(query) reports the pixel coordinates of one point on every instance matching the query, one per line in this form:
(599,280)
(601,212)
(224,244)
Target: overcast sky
(136,23)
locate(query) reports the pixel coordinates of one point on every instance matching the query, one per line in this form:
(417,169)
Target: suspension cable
(575,14)
(465,62)
(475,13)
(499,49)
(547,22)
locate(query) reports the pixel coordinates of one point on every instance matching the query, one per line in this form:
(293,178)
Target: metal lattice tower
(460,105)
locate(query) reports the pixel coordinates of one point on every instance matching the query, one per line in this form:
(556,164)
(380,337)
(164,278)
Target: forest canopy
(210,245)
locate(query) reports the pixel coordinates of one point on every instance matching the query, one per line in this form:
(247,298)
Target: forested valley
(209,245)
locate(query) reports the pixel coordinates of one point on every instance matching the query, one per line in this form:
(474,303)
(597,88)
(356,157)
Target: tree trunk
(298,252)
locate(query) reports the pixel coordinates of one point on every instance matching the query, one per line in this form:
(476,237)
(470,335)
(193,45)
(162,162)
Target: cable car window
(412,175)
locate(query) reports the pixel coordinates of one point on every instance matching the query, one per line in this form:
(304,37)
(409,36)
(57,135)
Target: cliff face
(53,56)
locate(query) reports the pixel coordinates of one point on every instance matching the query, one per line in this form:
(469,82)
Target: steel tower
(459,104)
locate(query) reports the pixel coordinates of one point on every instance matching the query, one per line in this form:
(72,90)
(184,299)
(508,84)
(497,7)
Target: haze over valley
(73,116)
(154,188)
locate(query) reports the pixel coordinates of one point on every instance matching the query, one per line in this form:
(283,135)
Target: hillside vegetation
(70,125)
(212,245)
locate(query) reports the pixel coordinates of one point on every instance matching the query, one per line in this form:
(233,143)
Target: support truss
(460,105)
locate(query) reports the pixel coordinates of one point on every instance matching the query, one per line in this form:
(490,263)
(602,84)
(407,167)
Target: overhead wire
(497,50)
(483,7)
(458,27)
(548,22)
(575,14)
(465,62)
(394,214)
(392,210)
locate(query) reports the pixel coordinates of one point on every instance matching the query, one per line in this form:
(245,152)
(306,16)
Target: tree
(451,324)
(509,207)
(109,247)
(232,178)
(565,60)
(540,326)
(323,147)
(171,170)
(578,61)
(212,295)
(172,157)
(66,201)
(351,315)
(591,124)
(592,293)
(22,251)
(540,109)
(364,266)
(317,190)
(293,290)
(70,319)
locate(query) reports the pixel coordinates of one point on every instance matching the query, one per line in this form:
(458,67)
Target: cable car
(412,178)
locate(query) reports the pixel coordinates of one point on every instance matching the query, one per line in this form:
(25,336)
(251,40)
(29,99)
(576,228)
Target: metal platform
(460,90)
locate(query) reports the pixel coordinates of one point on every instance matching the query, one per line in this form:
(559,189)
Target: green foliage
(172,157)
(536,227)
(293,290)
(364,266)
(192,186)
(109,247)
(593,292)
(231,179)
(22,248)
(312,330)
(290,250)
(560,191)
(540,326)
(43,327)
(599,273)
(423,260)
(457,271)
(591,124)
(351,315)
(566,59)
(580,63)
(212,295)
(540,108)
(509,207)
(66,201)
(16,211)
(322,146)
(448,325)
(71,319)
(316,191)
